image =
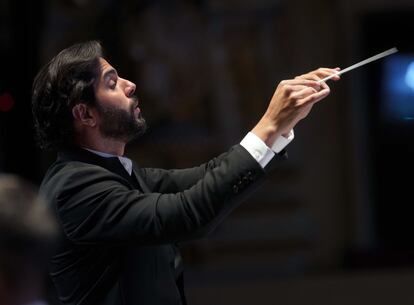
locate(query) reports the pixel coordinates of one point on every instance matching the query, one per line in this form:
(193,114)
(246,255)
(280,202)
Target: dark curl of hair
(66,80)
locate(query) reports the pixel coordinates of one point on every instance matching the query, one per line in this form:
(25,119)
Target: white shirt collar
(126,163)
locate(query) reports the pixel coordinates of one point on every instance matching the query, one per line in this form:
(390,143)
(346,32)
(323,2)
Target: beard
(120,124)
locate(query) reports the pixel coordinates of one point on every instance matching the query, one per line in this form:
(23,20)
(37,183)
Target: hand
(292,102)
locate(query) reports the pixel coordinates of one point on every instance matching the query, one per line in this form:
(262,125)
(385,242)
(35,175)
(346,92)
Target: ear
(84,115)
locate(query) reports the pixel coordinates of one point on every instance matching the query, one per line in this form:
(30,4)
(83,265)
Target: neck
(109,146)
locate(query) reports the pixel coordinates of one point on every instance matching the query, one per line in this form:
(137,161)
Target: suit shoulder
(73,168)
(71,174)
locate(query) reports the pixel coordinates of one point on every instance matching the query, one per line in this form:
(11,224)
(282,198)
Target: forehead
(105,66)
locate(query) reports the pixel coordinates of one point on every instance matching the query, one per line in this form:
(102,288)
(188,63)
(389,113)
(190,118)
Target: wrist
(266,131)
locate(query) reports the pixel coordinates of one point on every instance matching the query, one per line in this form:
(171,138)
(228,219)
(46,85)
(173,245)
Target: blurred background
(334,224)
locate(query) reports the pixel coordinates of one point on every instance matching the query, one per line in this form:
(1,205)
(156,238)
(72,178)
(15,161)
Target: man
(27,232)
(120,223)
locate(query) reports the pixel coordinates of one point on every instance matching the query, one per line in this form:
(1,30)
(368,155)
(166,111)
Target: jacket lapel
(140,181)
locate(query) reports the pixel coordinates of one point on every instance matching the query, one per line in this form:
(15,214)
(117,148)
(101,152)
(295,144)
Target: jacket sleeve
(177,180)
(95,205)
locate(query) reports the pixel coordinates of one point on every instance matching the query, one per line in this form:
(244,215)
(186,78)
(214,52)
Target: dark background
(333,224)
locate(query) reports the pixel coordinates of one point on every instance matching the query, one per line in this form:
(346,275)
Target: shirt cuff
(282,142)
(258,149)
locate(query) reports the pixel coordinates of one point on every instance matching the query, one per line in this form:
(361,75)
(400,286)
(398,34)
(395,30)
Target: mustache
(135,100)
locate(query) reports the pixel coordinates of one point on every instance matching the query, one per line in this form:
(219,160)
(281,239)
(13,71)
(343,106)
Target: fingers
(325,72)
(299,84)
(320,74)
(309,95)
(297,88)
(303,93)
(300,81)
(315,97)
(307,88)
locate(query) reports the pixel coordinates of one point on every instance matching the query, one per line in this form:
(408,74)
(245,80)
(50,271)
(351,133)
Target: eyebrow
(109,72)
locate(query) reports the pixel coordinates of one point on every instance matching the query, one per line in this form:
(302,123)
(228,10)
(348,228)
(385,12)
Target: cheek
(101,96)
(111,98)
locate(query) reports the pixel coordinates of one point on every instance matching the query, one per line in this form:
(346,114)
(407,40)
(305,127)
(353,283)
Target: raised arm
(94,205)
(176,180)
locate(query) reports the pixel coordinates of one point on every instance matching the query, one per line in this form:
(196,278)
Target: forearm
(177,180)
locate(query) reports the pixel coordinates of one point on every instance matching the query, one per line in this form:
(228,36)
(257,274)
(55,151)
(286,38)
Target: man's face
(119,117)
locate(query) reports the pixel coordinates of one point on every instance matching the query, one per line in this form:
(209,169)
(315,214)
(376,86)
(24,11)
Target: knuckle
(293,99)
(287,90)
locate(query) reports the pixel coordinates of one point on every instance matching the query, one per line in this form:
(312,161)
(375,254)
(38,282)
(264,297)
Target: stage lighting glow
(397,98)
(409,76)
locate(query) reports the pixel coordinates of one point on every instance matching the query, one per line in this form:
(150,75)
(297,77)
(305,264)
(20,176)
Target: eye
(112,83)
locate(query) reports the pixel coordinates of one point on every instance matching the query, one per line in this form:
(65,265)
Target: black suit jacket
(119,232)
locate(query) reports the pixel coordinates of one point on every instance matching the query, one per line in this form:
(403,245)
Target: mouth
(135,105)
(136,109)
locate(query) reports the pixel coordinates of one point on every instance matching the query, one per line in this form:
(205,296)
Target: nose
(129,88)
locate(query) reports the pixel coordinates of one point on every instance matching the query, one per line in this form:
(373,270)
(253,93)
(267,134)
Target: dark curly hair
(68,79)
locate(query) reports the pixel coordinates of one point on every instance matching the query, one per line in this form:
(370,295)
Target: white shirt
(260,151)
(252,143)
(127,163)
